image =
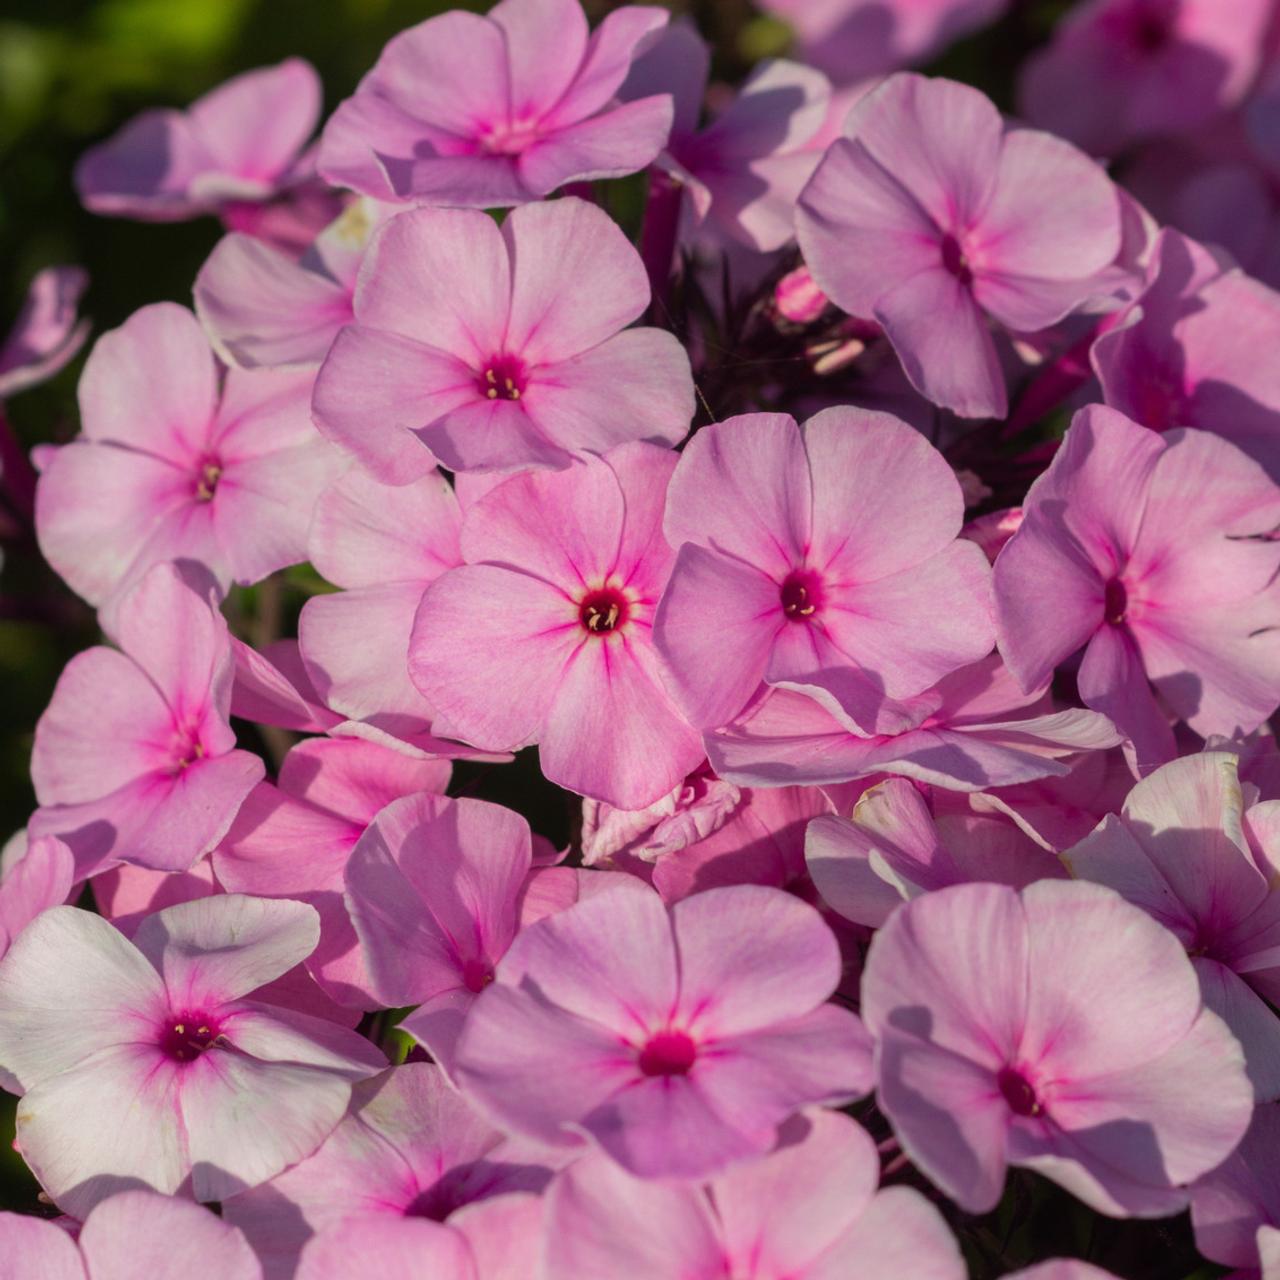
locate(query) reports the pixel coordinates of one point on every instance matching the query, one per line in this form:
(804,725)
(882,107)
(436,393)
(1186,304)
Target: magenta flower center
(1018,1092)
(603,611)
(801,595)
(207,478)
(954,261)
(503,378)
(185,1036)
(476,975)
(1115,603)
(669,1053)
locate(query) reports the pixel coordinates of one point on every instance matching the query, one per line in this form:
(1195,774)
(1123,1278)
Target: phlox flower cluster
(765,771)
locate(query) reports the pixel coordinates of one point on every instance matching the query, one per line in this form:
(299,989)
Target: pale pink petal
(949,1116)
(608,145)
(504,1231)
(710,597)
(576,280)
(245,1120)
(1249,1018)
(433,887)
(450,71)
(756,465)
(1053,213)
(177,637)
(365,533)
(40,879)
(899,1234)
(611,732)
(441,277)
(914,627)
(634,385)
(145,169)
(1093,1024)
(610,959)
(71,985)
(1130,1141)
(951,971)
(388,1247)
(876,473)
(37,1250)
(376,389)
(1112,680)
(108,1123)
(102,510)
(941,139)
(356,648)
(481,628)
(604,1223)
(214,950)
(609,58)
(357,779)
(790,1207)
(850,196)
(941,337)
(105,726)
(263,309)
(750,957)
(151,384)
(534,1068)
(137,1233)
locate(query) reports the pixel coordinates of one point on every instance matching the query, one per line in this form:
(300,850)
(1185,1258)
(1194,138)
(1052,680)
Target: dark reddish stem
(658,237)
(17,476)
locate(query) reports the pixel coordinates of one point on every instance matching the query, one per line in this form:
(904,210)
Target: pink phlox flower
(490,347)
(498,110)
(240,144)
(1121,71)
(1187,850)
(822,558)
(409,1148)
(975,730)
(1189,351)
(742,173)
(1060,1029)
(134,758)
(675,1039)
(894,849)
(852,40)
(149,1063)
(133,1233)
(1153,554)
(292,839)
(437,889)
(807,1210)
(546,634)
(179,461)
(264,308)
(126,895)
(47,334)
(934,217)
